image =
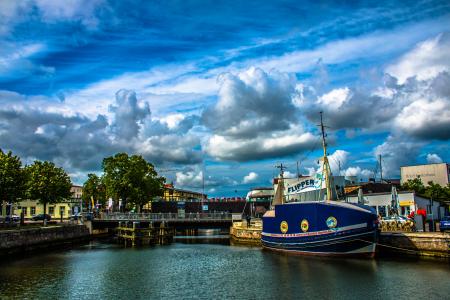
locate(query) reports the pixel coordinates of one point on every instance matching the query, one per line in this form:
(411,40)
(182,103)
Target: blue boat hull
(321,228)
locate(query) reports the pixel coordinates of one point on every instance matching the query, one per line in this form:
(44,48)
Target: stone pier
(432,244)
(31,239)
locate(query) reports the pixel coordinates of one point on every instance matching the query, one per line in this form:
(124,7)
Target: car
(12,218)
(444,225)
(41,217)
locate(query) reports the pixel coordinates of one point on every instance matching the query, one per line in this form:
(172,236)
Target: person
(248,220)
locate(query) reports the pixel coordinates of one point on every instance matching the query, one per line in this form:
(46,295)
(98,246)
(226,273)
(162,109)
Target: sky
(217,93)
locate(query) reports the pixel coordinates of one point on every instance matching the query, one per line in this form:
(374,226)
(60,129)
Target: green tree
(435,191)
(114,168)
(414,185)
(94,189)
(132,179)
(144,180)
(48,183)
(12,177)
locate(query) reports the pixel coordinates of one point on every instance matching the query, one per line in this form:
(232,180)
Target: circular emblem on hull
(304,225)
(284,227)
(331,222)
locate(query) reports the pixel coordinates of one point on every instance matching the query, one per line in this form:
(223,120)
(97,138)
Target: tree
(48,183)
(12,177)
(132,179)
(94,189)
(414,185)
(144,180)
(115,168)
(435,191)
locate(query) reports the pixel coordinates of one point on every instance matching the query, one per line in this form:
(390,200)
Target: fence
(165,216)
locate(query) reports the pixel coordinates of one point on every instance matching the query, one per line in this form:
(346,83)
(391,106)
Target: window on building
(25,210)
(51,210)
(32,210)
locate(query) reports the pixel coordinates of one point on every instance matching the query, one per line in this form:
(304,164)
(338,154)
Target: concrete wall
(22,240)
(421,244)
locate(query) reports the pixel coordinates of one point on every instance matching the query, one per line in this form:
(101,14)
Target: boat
(318,225)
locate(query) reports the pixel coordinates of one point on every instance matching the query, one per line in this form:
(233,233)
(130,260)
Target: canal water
(215,271)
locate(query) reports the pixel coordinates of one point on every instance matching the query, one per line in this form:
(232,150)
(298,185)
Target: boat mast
(279,193)
(326,165)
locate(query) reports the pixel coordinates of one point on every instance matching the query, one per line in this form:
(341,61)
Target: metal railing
(165,216)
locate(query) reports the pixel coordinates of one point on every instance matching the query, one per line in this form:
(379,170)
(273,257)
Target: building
(177,195)
(56,210)
(438,173)
(260,194)
(174,194)
(409,202)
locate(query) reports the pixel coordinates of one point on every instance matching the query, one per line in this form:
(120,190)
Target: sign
(301,186)
(407,203)
(205,207)
(305,184)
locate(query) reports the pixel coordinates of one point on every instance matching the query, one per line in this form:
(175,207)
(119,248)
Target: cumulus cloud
(46,130)
(414,100)
(433,158)
(196,179)
(397,152)
(250,178)
(128,114)
(425,61)
(358,172)
(252,102)
(255,117)
(288,143)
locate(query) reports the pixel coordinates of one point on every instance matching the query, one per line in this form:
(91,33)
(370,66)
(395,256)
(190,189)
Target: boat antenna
(326,164)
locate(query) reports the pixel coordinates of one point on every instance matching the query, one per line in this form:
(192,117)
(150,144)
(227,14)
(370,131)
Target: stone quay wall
(28,240)
(435,244)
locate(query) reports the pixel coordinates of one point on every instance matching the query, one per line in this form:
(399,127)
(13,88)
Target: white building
(409,202)
(438,173)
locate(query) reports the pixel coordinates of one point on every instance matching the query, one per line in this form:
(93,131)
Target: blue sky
(224,90)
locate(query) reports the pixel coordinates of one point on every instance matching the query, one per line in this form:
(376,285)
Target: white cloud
(358,172)
(338,158)
(189,179)
(425,61)
(224,148)
(250,178)
(335,98)
(433,158)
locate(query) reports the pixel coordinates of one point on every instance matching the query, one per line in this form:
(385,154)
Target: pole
(298,171)
(381,169)
(326,166)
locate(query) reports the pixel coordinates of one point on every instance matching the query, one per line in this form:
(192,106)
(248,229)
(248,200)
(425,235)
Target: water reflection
(209,271)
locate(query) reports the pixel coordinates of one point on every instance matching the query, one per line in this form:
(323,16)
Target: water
(213,271)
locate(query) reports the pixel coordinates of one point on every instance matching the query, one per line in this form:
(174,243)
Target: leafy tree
(12,177)
(48,183)
(414,185)
(144,181)
(132,179)
(435,191)
(115,168)
(94,189)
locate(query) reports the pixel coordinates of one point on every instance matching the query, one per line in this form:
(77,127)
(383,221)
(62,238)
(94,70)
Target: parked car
(444,225)
(12,218)
(41,217)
